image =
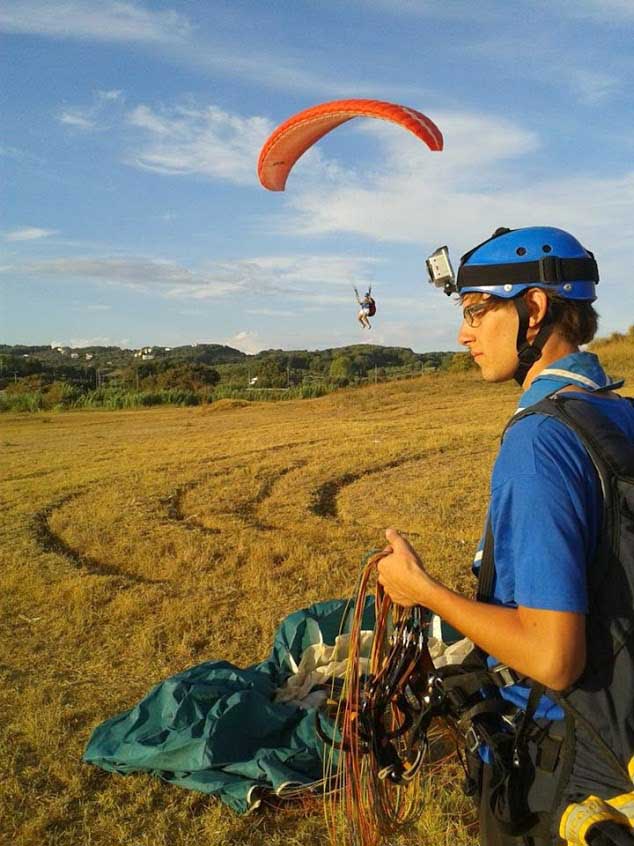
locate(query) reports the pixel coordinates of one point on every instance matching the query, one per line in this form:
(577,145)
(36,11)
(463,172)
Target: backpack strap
(486,576)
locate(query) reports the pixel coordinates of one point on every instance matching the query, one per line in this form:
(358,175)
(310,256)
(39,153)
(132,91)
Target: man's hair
(575,320)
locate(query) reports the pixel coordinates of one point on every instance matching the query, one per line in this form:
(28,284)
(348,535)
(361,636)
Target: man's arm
(548,646)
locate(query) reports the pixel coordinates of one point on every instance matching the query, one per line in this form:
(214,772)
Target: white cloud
(98,341)
(323,270)
(461,10)
(316,280)
(604,11)
(416,194)
(179,41)
(213,143)
(112,20)
(460,195)
(76,119)
(591,87)
(579,71)
(77,343)
(304,74)
(247,340)
(140,273)
(94,116)
(110,96)
(204,141)
(29,233)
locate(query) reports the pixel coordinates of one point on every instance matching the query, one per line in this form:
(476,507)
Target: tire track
(37,474)
(173,502)
(248,511)
(324,499)
(50,541)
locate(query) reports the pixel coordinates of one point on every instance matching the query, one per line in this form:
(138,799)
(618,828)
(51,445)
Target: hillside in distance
(102,356)
(112,356)
(17,361)
(44,377)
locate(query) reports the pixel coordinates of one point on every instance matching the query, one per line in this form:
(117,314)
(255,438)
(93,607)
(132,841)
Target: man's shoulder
(541,420)
(533,426)
(543,444)
(538,444)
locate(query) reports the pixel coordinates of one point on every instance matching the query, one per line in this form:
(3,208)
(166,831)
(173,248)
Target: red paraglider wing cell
(292,138)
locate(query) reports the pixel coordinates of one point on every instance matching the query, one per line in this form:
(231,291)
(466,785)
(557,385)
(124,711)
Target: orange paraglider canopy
(292,138)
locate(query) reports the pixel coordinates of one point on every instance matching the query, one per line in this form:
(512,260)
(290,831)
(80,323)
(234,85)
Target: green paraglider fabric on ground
(216,728)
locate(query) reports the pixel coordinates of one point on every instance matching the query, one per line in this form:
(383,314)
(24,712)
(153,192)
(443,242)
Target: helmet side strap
(528,353)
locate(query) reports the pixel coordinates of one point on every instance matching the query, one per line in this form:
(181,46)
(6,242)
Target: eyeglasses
(473,314)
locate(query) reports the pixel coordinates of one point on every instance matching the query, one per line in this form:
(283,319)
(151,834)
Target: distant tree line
(42,377)
(34,377)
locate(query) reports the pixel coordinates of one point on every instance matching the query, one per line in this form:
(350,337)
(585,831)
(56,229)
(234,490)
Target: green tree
(191,377)
(361,364)
(299,360)
(460,363)
(272,371)
(341,369)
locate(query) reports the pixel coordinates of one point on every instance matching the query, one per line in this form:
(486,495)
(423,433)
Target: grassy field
(135,544)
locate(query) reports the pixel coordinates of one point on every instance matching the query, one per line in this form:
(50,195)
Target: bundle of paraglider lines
(378,747)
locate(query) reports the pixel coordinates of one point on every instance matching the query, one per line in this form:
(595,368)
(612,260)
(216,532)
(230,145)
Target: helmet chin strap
(528,353)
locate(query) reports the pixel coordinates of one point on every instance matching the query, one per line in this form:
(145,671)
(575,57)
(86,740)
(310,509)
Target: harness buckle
(471,739)
(513,718)
(506,674)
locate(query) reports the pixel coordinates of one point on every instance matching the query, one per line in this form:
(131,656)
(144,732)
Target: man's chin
(493,375)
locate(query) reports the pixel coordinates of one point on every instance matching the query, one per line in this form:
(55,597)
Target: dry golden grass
(138,543)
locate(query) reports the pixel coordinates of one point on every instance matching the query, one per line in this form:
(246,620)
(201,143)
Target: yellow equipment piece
(578,819)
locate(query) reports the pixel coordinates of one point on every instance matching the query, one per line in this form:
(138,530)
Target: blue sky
(132,213)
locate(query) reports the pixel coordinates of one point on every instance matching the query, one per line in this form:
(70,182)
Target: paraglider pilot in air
(367,308)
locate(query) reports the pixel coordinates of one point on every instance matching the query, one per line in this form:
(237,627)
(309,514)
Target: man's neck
(555,348)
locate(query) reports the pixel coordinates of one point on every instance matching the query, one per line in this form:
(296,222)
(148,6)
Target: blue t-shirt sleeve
(545,508)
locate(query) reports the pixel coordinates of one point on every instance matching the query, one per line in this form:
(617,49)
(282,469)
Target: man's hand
(548,646)
(401,572)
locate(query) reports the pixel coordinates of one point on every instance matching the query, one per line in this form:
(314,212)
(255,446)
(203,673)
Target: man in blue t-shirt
(527,309)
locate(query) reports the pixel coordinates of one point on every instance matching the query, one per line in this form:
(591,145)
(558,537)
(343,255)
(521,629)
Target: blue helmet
(513,260)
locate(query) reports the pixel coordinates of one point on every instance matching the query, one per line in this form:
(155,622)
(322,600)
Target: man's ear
(537,302)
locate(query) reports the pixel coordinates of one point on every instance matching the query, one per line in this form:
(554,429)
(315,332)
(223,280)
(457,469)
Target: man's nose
(465,334)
